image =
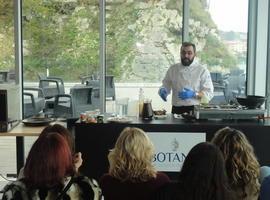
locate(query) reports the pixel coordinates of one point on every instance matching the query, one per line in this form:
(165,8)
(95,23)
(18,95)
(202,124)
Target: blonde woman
(131,173)
(241,163)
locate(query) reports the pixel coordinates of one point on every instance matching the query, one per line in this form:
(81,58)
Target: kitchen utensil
(251,101)
(37,121)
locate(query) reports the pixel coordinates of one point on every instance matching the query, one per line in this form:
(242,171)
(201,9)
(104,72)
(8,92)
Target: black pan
(251,101)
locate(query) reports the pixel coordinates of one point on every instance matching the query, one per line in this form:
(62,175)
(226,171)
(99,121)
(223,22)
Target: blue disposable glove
(186,94)
(163,93)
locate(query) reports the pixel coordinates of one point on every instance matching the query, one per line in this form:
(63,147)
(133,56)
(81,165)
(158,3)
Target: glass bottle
(141,99)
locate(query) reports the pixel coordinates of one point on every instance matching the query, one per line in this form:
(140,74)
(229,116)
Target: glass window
(61,51)
(142,41)
(7,46)
(7,80)
(221,41)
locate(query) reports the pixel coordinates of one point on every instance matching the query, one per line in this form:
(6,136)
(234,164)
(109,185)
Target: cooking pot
(251,101)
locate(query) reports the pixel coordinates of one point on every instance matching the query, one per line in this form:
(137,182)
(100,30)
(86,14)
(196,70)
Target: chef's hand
(186,94)
(163,93)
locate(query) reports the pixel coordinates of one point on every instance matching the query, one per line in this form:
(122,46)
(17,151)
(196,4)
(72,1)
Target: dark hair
(48,162)
(57,128)
(203,174)
(241,163)
(187,44)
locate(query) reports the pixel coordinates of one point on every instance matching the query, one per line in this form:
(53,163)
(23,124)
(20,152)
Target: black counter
(95,140)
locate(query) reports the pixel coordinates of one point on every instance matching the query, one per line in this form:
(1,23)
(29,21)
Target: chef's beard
(186,61)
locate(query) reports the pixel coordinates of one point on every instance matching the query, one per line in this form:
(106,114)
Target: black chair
(63,106)
(51,87)
(109,85)
(34,101)
(82,99)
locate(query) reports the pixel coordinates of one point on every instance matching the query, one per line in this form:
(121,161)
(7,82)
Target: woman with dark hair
(241,163)
(77,157)
(57,128)
(202,177)
(132,175)
(49,173)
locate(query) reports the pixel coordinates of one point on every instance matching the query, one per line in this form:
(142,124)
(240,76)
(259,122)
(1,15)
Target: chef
(189,82)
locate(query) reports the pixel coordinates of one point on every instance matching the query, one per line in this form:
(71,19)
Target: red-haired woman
(49,173)
(57,128)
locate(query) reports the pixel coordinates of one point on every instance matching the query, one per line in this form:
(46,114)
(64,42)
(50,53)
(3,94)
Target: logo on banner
(172,148)
(172,156)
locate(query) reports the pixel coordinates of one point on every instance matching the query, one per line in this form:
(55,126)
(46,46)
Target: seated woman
(77,157)
(131,174)
(202,177)
(49,173)
(242,166)
(265,189)
(57,128)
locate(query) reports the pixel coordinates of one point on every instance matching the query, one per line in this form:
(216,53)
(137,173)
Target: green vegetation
(63,36)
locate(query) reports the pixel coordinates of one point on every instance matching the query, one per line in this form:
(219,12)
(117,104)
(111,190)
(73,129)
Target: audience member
(265,189)
(202,177)
(131,174)
(57,128)
(77,157)
(49,173)
(264,172)
(241,163)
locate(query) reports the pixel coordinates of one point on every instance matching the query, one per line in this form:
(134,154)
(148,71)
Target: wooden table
(20,131)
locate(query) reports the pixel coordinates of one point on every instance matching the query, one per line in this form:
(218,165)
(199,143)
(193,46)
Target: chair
(51,85)
(34,101)
(235,86)
(109,85)
(63,106)
(82,99)
(3,76)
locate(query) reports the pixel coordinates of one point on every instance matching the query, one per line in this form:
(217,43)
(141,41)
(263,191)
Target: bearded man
(189,82)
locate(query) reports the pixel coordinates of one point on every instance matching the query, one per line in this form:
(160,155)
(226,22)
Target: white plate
(178,116)
(37,121)
(119,120)
(160,116)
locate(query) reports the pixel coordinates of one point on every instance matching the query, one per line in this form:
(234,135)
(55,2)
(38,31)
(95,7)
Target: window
(7,79)
(142,41)
(221,41)
(7,46)
(60,39)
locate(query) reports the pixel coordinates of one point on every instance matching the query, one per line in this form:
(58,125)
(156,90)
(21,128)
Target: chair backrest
(82,99)
(235,86)
(63,106)
(51,87)
(110,87)
(109,83)
(34,101)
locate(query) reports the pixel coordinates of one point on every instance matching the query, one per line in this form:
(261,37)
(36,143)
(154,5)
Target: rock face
(158,33)
(156,48)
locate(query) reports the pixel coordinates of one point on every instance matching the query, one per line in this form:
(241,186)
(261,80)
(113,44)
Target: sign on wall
(171,148)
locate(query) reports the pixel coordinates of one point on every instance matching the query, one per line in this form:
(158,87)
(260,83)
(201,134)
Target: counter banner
(171,148)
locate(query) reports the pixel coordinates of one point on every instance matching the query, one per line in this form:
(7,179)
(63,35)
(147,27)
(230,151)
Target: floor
(8,154)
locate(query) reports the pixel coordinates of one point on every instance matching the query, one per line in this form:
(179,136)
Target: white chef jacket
(195,77)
